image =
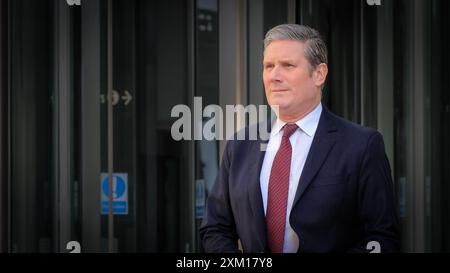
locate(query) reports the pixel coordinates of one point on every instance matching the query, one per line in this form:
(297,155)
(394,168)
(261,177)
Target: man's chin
(279,103)
(277,108)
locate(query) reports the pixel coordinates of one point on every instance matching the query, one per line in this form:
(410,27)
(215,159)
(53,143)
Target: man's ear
(320,74)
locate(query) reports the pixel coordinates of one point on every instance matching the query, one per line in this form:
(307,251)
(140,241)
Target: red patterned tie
(278,192)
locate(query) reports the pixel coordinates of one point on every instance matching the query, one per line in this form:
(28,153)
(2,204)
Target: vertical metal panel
(385,76)
(90,126)
(419,78)
(191,57)
(63,124)
(233,72)
(361,64)
(110,129)
(4,132)
(291,12)
(255,51)
(8,141)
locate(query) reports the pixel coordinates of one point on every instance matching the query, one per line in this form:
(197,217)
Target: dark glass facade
(61,64)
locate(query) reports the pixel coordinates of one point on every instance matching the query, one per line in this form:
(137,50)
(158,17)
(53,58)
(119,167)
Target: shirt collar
(307,124)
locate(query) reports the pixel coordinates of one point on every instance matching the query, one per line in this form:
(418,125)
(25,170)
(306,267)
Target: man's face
(288,80)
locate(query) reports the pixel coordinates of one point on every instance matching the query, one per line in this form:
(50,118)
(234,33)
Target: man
(323,185)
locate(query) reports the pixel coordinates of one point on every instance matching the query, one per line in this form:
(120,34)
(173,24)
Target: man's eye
(268,66)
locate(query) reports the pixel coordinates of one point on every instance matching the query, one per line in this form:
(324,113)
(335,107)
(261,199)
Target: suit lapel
(322,144)
(254,191)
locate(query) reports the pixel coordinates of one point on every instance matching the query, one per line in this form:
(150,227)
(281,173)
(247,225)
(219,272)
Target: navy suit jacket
(343,201)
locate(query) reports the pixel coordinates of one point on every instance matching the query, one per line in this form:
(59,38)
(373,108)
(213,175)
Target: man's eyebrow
(280,61)
(286,60)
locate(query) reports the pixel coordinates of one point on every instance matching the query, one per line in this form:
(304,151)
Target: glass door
(92,88)
(137,51)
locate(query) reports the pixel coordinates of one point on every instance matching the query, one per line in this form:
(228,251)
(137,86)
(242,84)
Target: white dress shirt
(301,141)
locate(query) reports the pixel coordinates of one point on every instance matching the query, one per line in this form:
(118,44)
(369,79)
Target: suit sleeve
(218,230)
(376,201)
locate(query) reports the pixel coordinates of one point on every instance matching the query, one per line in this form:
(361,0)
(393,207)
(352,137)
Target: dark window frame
(4,152)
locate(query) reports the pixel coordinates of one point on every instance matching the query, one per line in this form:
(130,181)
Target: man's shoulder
(352,130)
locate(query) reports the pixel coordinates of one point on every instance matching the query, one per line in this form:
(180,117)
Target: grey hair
(315,48)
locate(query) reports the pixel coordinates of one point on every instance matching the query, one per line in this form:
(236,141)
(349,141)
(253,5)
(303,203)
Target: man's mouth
(279,90)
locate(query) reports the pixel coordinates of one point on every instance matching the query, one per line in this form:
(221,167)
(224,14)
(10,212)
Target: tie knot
(289,129)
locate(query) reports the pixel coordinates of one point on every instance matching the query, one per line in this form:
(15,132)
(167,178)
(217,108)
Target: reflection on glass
(32,131)
(207,87)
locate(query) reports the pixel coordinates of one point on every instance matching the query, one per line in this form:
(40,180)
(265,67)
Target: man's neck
(298,116)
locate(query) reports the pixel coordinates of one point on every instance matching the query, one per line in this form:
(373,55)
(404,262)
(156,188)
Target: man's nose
(275,74)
